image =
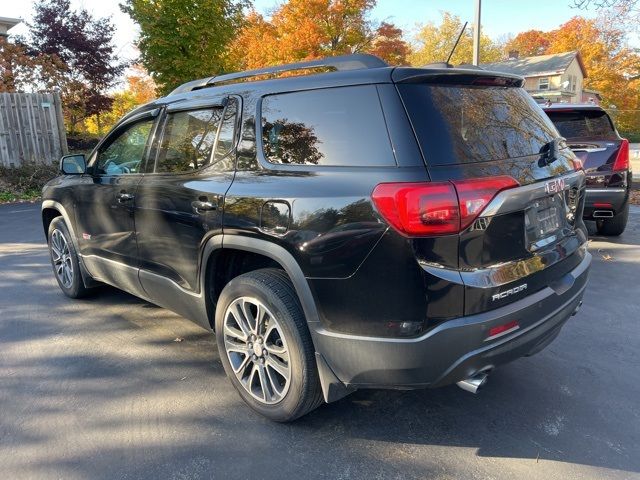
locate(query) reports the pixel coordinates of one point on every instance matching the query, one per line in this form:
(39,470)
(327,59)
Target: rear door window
(466,124)
(188,140)
(583,124)
(330,127)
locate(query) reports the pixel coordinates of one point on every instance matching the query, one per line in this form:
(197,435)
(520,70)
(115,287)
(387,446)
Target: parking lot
(99,388)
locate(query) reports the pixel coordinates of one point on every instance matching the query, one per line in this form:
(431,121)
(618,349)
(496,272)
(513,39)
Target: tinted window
(187,140)
(226,136)
(460,124)
(124,154)
(337,126)
(585,123)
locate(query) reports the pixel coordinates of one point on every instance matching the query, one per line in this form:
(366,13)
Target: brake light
(622,160)
(436,208)
(577,164)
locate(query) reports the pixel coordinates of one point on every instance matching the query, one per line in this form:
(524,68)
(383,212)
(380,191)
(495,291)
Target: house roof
(553,64)
(7,23)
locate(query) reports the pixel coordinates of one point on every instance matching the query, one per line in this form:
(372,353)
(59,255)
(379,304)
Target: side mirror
(73,164)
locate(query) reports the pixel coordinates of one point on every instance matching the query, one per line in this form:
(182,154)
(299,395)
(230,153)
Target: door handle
(123,197)
(203,205)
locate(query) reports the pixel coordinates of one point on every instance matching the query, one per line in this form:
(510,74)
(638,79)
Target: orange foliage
(307,29)
(529,43)
(389,45)
(610,64)
(141,85)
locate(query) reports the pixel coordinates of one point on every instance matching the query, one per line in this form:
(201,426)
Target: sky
(499,17)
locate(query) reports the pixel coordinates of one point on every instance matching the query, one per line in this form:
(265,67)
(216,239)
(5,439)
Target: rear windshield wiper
(550,151)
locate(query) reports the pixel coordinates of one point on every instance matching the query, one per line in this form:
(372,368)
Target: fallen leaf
(607,257)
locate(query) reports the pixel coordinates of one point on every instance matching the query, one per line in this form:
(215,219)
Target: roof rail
(356,61)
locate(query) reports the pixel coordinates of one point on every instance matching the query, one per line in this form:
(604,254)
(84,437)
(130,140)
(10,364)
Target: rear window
(331,127)
(465,124)
(582,123)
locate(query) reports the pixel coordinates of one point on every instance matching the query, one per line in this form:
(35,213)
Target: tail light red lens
(436,208)
(577,164)
(476,193)
(622,160)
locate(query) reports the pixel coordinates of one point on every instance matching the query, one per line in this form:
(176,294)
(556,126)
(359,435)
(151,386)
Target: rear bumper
(454,350)
(598,199)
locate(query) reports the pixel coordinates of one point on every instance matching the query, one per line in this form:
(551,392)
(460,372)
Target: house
(558,77)
(7,24)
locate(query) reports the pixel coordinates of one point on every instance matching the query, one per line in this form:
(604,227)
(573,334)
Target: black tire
(614,226)
(72,286)
(270,288)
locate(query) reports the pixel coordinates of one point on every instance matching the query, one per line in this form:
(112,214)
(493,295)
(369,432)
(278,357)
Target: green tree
(435,41)
(181,40)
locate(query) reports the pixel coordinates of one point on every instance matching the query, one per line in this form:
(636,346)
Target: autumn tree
(435,42)
(626,12)
(84,45)
(140,89)
(309,29)
(22,71)
(528,44)
(389,45)
(181,40)
(612,67)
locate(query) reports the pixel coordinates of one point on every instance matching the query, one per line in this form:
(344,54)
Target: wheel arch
(50,210)
(275,252)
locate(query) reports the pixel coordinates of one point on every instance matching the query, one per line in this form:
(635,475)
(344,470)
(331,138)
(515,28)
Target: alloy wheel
(61,255)
(257,350)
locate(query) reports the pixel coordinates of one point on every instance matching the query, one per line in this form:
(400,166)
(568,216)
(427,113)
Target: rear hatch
(520,195)
(593,138)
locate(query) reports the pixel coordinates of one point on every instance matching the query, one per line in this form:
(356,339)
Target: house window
(543,83)
(574,81)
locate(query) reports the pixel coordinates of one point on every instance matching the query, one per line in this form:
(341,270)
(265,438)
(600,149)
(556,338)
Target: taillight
(577,164)
(436,208)
(622,160)
(476,193)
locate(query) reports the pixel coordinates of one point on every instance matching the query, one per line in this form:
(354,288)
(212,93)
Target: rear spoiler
(456,76)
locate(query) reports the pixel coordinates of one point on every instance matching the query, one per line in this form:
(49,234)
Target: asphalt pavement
(99,388)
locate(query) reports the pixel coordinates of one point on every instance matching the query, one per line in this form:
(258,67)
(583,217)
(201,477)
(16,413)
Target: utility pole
(476,34)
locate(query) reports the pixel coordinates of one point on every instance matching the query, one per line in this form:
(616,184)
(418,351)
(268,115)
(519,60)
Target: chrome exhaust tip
(602,214)
(577,308)
(474,383)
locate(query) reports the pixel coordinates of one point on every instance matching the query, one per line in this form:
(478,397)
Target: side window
(332,127)
(124,154)
(227,134)
(187,140)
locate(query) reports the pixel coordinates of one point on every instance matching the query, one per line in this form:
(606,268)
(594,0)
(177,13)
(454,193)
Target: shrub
(24,182)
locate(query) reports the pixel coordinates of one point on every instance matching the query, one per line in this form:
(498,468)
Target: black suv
(354,226)
(591,135)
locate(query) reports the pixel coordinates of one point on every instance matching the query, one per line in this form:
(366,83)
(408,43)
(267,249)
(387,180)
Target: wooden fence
(31,128)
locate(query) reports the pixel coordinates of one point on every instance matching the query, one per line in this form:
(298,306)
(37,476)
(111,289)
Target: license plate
(544,220)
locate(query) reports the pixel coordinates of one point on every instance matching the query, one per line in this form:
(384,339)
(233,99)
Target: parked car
(355,226)
(592,136)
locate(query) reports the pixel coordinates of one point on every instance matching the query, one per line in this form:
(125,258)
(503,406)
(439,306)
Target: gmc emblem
(554,186)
